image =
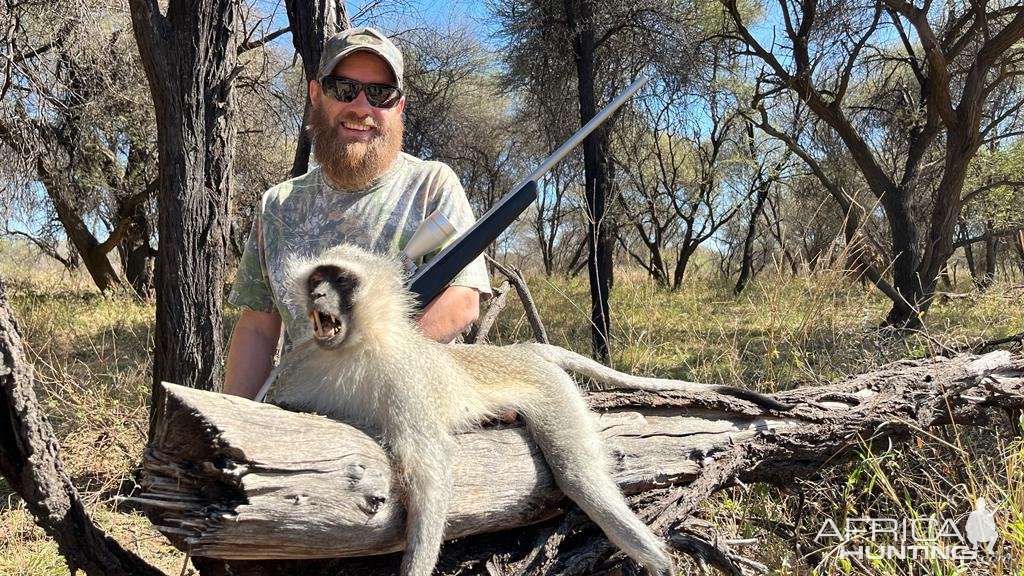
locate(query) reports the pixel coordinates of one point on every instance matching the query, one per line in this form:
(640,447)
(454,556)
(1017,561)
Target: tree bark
(30,462)
(312,23)
(251,481)
(190,56)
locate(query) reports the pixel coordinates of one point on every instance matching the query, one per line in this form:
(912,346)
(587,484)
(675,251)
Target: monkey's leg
(423,458)
(566,432)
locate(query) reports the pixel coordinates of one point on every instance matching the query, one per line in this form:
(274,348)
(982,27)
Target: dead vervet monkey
(370,364)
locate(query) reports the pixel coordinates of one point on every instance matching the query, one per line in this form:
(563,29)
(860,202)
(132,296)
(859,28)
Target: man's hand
(450,313)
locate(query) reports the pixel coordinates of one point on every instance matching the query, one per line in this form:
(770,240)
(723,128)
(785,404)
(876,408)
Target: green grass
(92,362)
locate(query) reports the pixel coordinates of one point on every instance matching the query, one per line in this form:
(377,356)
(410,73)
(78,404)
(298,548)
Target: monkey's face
(332,293)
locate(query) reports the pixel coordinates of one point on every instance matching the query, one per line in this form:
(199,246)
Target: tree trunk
(1018,246)
(991,247)
(686,252)
(136,254)
(253,482)
(747,264)
(190,56)
(311,23)
(905,259)
(30,463)
(972,267)
(962,144)
(81,238)
(580,16)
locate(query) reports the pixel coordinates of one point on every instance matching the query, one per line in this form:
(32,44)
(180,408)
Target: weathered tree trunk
(312,23)
(30,463)
(190,57)
(250,481)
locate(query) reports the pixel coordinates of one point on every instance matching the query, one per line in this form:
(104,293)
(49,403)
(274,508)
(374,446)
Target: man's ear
(315,92)
(401,105)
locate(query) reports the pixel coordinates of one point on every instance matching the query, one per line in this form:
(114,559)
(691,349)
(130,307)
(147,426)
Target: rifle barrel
(434,276)
(585,131)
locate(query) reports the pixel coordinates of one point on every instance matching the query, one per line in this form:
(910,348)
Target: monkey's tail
(579,364)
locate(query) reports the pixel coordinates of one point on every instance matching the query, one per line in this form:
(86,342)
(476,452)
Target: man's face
(355,141)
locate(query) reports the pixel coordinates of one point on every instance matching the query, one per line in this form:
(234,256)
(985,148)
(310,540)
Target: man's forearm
(250,355)
(450,313)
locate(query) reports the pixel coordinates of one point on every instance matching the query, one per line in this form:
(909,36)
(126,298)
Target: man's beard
(352,165)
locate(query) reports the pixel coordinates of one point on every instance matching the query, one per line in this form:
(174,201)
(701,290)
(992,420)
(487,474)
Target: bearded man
(363,191)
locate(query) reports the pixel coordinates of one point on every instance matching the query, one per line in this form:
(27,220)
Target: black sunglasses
(346,90)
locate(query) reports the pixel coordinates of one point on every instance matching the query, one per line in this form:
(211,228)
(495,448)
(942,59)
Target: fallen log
(232,479)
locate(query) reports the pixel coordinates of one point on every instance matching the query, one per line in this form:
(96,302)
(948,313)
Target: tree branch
(253,44)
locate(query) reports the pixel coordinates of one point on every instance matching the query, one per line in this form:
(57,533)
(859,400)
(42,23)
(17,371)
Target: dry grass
(785,332)
(92,360)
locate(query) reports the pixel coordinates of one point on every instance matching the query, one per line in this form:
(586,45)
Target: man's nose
(361,102)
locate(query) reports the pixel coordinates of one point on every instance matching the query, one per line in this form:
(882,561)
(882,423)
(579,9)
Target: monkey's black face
(331,293)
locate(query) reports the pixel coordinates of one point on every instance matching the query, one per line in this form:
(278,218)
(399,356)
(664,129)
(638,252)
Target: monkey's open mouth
(325,326)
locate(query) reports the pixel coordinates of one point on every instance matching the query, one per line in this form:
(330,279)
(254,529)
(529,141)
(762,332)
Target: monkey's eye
(346,281)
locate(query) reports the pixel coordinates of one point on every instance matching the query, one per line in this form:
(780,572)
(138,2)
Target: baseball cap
(358,39)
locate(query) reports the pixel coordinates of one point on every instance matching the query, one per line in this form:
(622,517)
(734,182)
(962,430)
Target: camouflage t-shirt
(305,216)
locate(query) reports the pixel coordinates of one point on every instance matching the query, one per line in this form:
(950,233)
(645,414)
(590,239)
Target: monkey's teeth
(324,325)
(317,327)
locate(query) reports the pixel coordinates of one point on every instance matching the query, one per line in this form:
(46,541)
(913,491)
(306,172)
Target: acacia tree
(992,210)
(190,56)
(682,164)
(78,127)
(949,102)
(611,43)
(762,170)
(457,113)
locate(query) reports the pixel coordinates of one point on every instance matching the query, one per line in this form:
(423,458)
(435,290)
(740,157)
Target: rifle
(430,279)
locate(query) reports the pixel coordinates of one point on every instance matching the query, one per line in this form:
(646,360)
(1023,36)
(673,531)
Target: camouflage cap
(360,39)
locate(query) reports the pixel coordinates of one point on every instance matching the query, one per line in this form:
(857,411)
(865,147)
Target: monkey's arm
(450,313)
(251,352)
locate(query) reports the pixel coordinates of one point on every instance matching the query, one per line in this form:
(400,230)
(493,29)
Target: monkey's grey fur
(371,364)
